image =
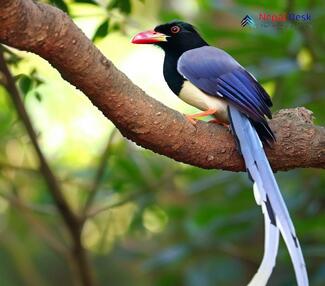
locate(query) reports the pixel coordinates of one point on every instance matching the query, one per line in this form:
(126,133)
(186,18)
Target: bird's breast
(197,98)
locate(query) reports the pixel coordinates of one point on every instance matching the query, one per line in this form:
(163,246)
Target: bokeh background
(155,221)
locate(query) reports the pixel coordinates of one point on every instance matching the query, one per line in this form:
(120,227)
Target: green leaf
(12,58)
(61,5)
(87,1)
(38,96)
(115,27)
(36,79)
(25,84)
(123,5)
(101,31)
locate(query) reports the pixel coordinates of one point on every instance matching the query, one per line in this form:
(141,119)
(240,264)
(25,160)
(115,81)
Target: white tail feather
(271,244)
(268,195)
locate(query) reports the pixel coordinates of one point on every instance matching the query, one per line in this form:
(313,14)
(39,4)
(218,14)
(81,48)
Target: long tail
(268,195)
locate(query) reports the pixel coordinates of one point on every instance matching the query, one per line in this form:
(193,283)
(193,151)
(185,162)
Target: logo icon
(248,21)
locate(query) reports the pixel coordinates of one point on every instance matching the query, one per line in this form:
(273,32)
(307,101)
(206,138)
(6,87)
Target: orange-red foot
(192,117)
(217,121)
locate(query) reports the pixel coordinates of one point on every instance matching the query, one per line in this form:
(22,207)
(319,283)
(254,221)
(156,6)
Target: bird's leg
(192,117)
(219,122)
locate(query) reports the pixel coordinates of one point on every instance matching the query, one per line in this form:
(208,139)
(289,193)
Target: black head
(175,36)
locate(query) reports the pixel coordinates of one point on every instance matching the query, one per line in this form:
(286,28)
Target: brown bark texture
(50,33)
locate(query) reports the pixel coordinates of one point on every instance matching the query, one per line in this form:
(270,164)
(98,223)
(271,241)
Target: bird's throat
(172,77)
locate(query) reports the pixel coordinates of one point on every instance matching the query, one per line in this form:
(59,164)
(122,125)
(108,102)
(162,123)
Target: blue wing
(216,73)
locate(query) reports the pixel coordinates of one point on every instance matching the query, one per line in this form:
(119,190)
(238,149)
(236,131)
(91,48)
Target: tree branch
(50,33)
(71,220)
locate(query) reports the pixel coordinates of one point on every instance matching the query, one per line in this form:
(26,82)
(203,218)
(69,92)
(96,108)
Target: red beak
(149,37)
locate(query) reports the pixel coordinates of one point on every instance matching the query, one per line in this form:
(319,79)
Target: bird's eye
(175,29)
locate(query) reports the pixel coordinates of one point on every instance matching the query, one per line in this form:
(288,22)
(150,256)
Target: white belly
(197,98)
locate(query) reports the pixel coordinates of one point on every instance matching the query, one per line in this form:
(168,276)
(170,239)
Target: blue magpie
(211,80)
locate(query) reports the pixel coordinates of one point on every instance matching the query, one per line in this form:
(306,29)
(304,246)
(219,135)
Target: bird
(211,80)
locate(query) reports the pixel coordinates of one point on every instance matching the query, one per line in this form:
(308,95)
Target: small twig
(152,186)
(2,80)
(99,173)
(43,210)
(5,165)
(37,224)
(107,207)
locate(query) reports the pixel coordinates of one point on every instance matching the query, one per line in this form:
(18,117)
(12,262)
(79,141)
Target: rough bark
(48,32)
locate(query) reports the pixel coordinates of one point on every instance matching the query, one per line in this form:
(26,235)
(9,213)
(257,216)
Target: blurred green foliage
(155,221)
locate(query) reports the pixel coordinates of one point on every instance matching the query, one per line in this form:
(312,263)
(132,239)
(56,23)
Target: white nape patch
(197,98)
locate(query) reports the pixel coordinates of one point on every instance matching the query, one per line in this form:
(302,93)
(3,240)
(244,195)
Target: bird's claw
(192,120)
(216,121)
